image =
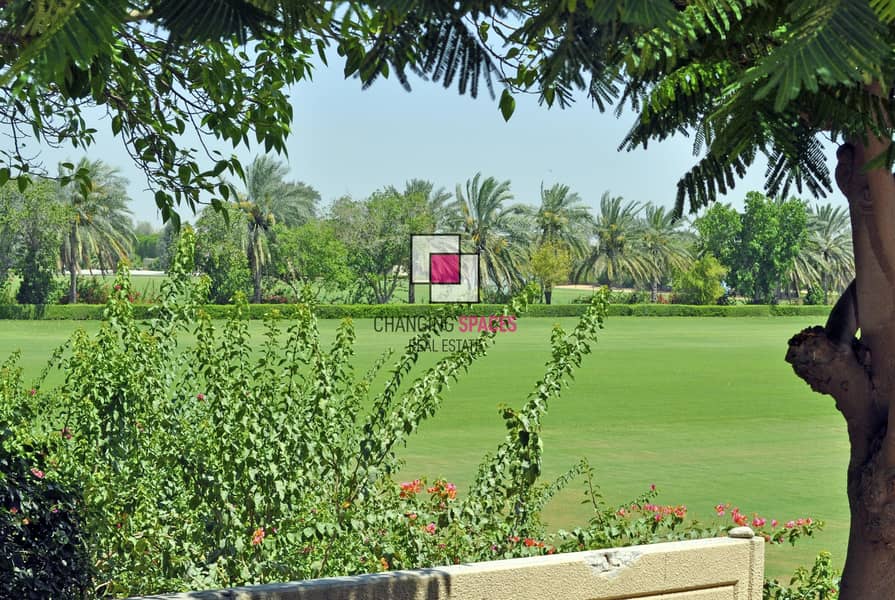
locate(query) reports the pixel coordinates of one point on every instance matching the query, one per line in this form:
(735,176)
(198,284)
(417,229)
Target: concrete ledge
(711,569)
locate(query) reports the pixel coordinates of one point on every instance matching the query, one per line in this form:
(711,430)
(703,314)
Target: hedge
(368,311)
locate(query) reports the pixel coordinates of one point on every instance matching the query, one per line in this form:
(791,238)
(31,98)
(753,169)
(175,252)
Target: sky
(350,141)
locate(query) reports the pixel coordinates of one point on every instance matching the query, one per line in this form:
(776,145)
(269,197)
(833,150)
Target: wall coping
(730,568)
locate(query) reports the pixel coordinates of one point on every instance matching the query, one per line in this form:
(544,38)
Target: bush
(42,551)
(701,284)
(814,295)
(91,290)
(232,462)
(369,311)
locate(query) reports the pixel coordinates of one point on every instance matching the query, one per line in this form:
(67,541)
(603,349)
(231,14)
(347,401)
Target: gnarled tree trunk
(860,374)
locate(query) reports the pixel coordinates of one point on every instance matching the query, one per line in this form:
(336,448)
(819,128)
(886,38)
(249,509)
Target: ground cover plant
(216,466)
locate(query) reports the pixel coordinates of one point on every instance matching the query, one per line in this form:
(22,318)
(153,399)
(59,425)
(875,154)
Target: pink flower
(32,391)
(430,528)
(658,517)
(37,472)
(652,487)
(200,397)
(790,524)
(808,521)
(758,522)
(720,510)
(773,522)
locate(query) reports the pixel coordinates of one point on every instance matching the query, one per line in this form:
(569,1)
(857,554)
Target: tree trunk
(255,263)
(411,292)
(859,374)
(72,267)
(654,292)
(548,294)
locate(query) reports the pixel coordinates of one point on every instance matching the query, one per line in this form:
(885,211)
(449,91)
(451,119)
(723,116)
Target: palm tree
(615,252)
(492,228)
(436,200)
(270,199)
(829,247)
(563,217)
(99,222)
(664,245)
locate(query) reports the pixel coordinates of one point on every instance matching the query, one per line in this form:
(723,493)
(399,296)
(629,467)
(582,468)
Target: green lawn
(704,408)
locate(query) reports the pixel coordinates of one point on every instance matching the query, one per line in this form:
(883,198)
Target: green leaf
(507,105)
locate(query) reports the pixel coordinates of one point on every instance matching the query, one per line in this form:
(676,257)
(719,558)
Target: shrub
(213,465)
(701,284)
(815,295)
(42,551)
(91,290)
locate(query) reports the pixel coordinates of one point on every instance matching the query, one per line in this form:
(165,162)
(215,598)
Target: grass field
(704,408)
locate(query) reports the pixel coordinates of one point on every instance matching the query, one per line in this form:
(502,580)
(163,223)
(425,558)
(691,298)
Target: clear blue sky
(346,140)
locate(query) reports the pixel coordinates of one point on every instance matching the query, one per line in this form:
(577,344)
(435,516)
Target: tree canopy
(744,77)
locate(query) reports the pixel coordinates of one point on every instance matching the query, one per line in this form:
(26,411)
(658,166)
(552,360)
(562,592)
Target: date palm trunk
(860,374)
(72,265)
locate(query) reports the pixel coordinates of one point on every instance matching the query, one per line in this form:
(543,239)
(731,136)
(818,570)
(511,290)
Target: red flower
(200,397)
(37,472)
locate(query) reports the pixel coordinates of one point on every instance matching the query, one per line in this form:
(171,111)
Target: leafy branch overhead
(743,77)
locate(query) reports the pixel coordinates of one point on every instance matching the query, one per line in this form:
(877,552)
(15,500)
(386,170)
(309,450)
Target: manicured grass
(704,408)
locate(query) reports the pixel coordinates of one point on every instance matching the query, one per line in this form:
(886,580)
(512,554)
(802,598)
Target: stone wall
(729,568)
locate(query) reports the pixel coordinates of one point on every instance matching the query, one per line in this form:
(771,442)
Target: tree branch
(843,372)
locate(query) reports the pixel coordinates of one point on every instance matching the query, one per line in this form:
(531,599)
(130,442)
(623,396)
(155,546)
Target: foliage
(311,255)
(551,264)
(827,253)
(436,200)
(616,253)
(563,217)
(664,245)
(92,290)
(820,583)
(759,247)
(719,233)
(490,228)
(815,295)
(642,521)
(42,550)
(701,284)
(37,242)
(99,227)
(269,199)
(376,233)
(224,463)
(772,235)
(220,253)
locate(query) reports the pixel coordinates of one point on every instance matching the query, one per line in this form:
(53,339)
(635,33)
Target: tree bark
(548,295)
(860,374)
(255,262)
(72,267)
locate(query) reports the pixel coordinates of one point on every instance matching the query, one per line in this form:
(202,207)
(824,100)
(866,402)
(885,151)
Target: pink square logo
(444,268)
